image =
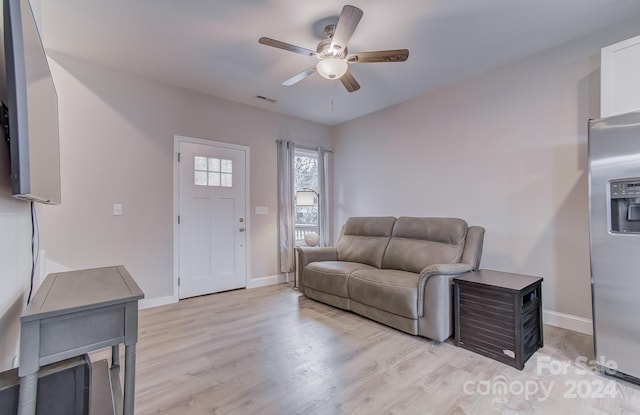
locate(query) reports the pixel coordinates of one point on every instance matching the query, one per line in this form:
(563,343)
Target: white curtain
(286,222)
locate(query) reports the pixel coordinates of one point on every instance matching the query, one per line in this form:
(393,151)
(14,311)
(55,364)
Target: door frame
(177,139)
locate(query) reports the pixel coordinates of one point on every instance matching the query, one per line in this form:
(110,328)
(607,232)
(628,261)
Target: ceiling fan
(333,53)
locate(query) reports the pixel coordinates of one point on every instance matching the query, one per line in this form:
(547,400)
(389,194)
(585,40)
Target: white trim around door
(177,139)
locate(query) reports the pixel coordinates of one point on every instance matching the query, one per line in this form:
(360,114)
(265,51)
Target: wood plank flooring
(273,351)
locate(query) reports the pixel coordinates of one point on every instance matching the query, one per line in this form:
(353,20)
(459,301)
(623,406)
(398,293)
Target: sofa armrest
(450,270)
(307,255)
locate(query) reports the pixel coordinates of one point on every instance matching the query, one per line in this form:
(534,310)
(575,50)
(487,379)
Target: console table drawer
(77,330)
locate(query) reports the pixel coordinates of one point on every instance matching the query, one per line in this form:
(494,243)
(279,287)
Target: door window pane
(226,179)
(200,178)
(214,164)
(214,179)
(200,163)
(227,166)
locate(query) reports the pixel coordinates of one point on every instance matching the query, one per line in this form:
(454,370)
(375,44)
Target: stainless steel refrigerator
(614,209)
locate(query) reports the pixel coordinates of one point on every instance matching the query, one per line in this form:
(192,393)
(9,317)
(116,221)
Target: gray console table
(76,312)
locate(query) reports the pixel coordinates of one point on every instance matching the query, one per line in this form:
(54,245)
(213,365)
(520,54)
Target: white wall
(15,244)
(15,262)
(506,150)
(116,144)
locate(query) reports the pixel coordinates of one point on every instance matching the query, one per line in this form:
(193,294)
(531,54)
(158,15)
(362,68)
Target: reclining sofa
(397,272)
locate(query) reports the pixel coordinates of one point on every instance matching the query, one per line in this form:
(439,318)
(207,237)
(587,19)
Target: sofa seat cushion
(331,276)
(389,290)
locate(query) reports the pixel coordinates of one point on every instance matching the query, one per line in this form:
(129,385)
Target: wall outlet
(117,209)
(262,210)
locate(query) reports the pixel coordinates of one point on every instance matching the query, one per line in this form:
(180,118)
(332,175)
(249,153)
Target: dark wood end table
(499,315)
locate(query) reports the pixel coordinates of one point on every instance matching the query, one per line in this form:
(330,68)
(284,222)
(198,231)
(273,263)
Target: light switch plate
(262,210)
(117,209)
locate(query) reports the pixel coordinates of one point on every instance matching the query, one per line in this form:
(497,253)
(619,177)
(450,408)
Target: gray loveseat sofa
(395,271)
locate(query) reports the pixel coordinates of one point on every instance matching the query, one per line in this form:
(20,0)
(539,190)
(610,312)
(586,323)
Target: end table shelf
(499,315)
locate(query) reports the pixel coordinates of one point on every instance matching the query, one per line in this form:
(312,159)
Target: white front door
(212,218)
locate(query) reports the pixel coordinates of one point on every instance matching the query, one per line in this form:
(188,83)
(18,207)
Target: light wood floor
(272,351)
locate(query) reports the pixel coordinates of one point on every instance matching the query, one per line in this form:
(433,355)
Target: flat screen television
(30,113)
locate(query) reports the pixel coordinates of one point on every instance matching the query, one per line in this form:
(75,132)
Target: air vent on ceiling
(271,100)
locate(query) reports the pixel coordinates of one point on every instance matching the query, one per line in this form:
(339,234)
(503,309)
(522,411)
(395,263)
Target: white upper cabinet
(620,78)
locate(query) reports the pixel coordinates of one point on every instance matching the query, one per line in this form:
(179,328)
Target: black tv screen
(32,105)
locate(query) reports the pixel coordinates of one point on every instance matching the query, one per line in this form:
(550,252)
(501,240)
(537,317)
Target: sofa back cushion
(420,242)
(364,239)
(473,246)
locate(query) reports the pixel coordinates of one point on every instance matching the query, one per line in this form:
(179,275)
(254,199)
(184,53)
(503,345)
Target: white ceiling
(212,46)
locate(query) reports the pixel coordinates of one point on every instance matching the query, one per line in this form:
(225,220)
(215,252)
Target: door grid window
(211,171)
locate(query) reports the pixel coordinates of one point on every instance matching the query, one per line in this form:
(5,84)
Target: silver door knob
(241,220)
(241,229)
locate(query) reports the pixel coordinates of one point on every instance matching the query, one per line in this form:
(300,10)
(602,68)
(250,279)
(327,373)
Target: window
(306,192)
(303,199)
(211,171)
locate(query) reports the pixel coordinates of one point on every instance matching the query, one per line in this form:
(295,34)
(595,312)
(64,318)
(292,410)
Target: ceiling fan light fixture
(333,53)
(332,68)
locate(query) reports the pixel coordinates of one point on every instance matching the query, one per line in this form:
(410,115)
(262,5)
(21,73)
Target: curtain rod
(307,147)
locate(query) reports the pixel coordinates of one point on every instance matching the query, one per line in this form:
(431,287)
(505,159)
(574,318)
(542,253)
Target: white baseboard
(568,321)
(252,283)
(264,281)
(156,302)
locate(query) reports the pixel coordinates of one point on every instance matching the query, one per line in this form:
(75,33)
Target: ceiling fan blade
(396,55)
(349,82)
(349,18)
(299,77)
(286,46)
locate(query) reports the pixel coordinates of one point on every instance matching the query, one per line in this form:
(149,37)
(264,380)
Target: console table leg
(115,356)
(27,395)
(129,378)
